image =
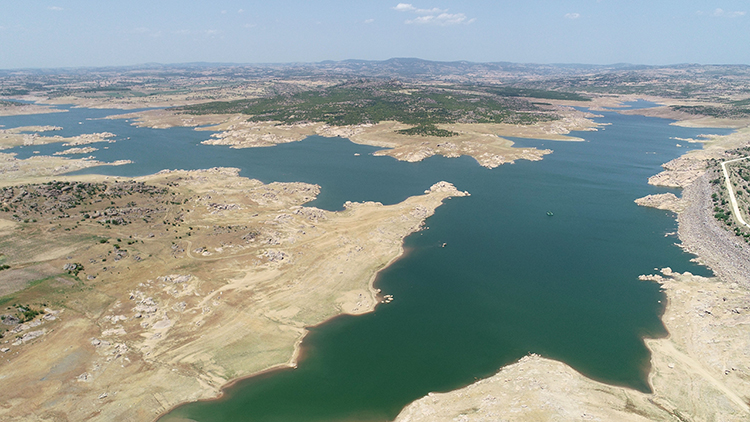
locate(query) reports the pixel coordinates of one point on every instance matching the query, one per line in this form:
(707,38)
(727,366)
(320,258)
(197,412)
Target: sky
(78,33)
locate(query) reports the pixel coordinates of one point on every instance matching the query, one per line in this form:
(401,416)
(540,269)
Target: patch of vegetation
(27,313)
(6,103)
(363,101)
(535,93)
(427,130)
(705,82)
(86,92)
(27,202)
(74,268)
(739,174)
(723,112)
(23,313)
(14,91)
(722,215)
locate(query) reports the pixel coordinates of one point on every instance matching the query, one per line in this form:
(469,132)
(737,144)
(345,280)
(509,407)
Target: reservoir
(509,281)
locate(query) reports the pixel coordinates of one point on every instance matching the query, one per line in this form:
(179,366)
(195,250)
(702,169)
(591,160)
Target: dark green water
(510,281)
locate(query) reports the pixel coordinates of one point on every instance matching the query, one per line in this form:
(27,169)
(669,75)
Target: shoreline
(294,359)
(222,390)
(703,316)
(191,326)
(703,237)
(376,299)
(25,109)
(486,143)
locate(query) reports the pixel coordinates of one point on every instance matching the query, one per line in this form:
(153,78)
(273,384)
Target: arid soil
(159,290)
(30,135)
(18,110)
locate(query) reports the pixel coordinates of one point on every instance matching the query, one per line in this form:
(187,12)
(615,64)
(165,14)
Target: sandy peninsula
(30,135)
(700,372)
(18,170)
(20,109)
(160,290)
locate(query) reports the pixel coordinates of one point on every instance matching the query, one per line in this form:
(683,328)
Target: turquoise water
(511,280)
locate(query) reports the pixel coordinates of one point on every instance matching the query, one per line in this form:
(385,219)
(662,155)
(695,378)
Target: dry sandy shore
(14,169)
(18,110)
(486,143)
(187,280)
(700,372)
(30,135)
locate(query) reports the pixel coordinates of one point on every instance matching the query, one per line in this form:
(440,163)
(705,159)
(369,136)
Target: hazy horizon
(300,63)
(85,33)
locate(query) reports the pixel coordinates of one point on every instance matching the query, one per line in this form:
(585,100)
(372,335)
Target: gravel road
(718,248)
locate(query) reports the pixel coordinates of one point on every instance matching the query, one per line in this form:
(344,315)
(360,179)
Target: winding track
(732,198)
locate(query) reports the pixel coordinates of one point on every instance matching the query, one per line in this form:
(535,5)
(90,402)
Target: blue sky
(60,33)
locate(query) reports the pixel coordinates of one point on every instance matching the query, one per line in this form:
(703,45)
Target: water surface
(510,281)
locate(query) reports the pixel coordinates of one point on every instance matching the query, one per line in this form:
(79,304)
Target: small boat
(550,213)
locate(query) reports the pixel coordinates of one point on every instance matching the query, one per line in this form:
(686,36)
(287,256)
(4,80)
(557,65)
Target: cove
(510,281)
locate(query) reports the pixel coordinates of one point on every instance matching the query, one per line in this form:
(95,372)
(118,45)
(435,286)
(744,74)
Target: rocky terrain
(125,297)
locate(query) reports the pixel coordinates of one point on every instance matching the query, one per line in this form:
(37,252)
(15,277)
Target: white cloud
(443,19)
(181,32)
(241,11)
(434,16)
(223,12)
(432,11)
(55,8)
(404,7)
(408,7)
(572,15)
(369,20)
(211,32)
(721,13)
